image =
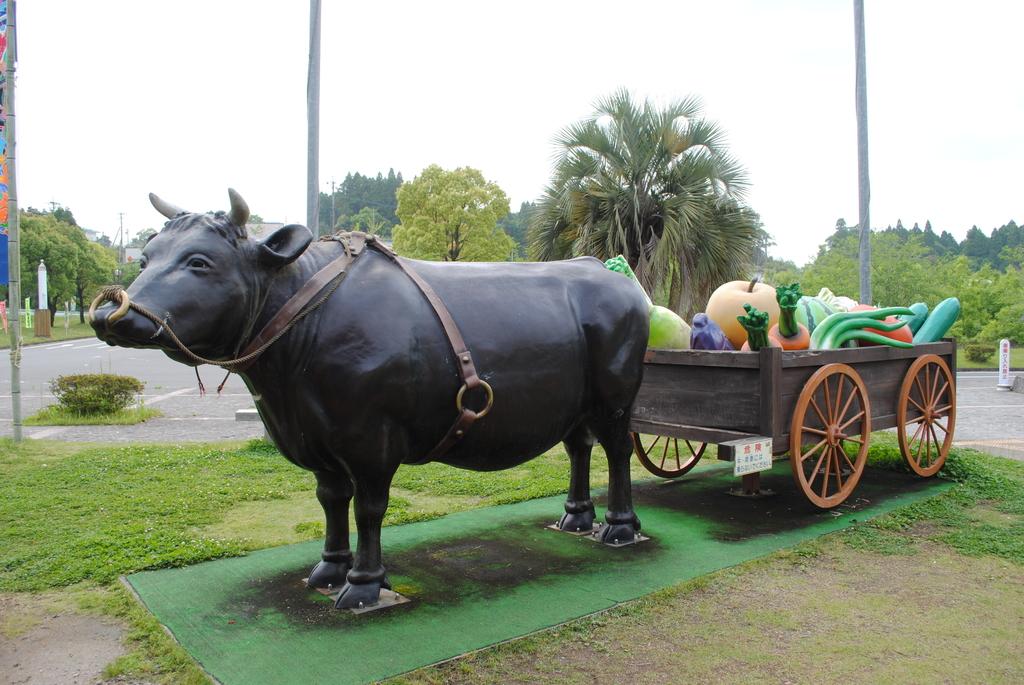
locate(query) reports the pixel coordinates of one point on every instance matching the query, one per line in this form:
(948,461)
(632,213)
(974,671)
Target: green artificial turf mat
(480,577)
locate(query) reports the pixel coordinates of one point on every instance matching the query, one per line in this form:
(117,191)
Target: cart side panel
(882,370)
(713,397)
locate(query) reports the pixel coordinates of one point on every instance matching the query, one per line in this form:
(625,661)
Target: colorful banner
(4,274)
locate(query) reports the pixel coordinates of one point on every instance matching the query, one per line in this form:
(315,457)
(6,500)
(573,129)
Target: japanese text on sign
(752,456)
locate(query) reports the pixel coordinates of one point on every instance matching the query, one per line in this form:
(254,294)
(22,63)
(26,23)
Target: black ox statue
(360,361)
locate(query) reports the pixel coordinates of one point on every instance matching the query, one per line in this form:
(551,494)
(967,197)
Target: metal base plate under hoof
(388,599)
(595,536)
(751,494)
(589,531)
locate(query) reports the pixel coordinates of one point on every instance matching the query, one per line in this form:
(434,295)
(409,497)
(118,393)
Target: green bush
(95,393)
(979,352)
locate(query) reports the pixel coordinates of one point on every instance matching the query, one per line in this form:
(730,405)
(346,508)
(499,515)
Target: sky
(116,99)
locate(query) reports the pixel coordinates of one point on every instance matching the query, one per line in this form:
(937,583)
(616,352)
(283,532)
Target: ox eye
(198,263)
(142,263)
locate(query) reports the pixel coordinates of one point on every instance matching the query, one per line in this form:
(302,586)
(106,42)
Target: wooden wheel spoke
(939,394)
(927,445)
(814,430)
(828,467)
(913,402)
(942,410)
(847,458)
(945,429)
(839,476)
(653,444)
(821,416)
(858,416)
(920,392)
(689,446)
(839,395)
(916,419)
(935,437)
(918,432)
(679,464)
(814,449)
(935,386)
(664,453)
(828,403)
(849,401)
(817,468)
(847,438)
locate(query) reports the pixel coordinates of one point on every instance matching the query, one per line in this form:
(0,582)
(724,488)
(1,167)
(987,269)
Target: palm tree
(656,186)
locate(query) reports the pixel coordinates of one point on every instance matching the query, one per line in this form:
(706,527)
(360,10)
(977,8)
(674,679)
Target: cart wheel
(832,410)
(927,402)
(663,457)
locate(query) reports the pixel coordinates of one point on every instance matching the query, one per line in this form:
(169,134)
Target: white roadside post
(42,327)
(1004,382)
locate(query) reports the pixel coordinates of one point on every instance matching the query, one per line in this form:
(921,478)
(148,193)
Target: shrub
(979,352)
(95,393)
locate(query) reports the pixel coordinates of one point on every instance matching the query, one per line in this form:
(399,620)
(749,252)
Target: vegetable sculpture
(726,303)
(842,327)
(939,321)
(756,325)
(811,311)
(708,335)
(920,310)
(788,332)
(668,331)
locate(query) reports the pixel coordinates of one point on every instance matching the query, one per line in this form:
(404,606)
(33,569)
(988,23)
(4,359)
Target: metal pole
(863,182)
(313,122)
(13,243)
(334,218)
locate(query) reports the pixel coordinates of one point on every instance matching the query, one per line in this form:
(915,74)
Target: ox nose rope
(115,293)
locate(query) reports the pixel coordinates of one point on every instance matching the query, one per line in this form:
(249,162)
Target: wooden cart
(819,405)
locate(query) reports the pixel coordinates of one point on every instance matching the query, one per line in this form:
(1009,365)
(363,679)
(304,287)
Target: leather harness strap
(299,300)
(353,247)
(463,358)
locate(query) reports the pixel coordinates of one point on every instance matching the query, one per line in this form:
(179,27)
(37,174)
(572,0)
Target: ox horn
(165,208)
(239,210)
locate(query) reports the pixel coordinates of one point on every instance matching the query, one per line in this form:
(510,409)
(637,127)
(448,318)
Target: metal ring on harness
(109,294)
(485,410)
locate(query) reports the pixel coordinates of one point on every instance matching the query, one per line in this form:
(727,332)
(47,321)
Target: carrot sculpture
(788,332)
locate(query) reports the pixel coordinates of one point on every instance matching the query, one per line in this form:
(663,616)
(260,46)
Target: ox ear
(284,245)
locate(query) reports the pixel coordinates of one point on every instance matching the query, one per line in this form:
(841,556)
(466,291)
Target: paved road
(987,418)
(170,387)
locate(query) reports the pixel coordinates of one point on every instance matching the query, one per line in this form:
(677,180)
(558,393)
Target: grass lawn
(75,517)
(1016,360)
(55,415)
(75,331)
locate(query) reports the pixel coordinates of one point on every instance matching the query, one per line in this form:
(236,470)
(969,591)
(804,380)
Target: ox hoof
(358,596)
(577,522)
(329,574)
(621,528)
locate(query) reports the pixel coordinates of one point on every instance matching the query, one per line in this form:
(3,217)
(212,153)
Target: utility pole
(120,232)
(334,219)
(863,182)
(13,243)
(313,122)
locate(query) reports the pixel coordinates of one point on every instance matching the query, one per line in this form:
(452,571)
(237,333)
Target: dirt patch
(845,616)
(41,646)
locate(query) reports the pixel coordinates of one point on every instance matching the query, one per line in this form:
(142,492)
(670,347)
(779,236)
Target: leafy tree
(369,220)
(656,186)
(357,192)
(74,265)
(142,237)
(452,216)
(517,225)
